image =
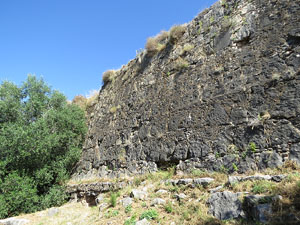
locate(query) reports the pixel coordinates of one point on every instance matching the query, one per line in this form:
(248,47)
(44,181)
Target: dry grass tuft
(81,101)
(157,43)
(176,32)
(108,76)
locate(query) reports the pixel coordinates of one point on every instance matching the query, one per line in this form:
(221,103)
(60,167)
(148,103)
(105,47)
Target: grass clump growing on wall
(157,43)
(176,32)
(108,76)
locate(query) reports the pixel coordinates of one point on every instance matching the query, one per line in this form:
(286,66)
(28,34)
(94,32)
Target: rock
(203,181)
(216,189)
(180,196)
(236,179)
(278,178)
(143,222)
(225,205)
(126,201)
(158,201)
(14,221)
(185,181)
(103,206)
(138,194)
(162,192)
(259,208)
(99,199)
(52,212)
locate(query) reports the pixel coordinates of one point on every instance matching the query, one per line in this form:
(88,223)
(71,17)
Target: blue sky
(70,43)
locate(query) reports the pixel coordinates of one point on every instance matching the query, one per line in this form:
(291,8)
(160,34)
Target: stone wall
(231,101)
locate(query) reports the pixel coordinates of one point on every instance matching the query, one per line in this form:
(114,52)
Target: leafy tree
(41,137)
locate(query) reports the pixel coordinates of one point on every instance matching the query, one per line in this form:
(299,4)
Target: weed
(187,48)
(111,213)
(217,154)
(150,214)
(211,19)
(252,147)
(223,169)
(131,221)
(128,208)
(156,44)
(234,166)
(144,205)
(197,172)
(169,207)
(200,27)
(113,109)
(181,64)
(108,76)
(174,189)
(113,199)
(262,187)
(176,32)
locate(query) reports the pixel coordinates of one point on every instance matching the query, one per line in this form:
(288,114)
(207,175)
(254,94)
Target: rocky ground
(270,197)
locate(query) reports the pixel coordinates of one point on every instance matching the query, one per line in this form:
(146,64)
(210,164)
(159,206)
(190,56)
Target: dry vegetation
(108,76)
(157,43)
(84,102)
(192,210)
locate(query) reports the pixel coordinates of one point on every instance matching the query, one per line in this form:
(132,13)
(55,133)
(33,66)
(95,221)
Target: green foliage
(41,137)
(113,198)
(150,214)
(19,194)
(128,208)
(260,187)
(234,166)
(131,221)
(111,213)
(169,207)
(252,147)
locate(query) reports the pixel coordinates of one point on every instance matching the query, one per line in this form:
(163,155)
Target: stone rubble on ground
(126,201)
(138,194)
(14,221)
(142,222)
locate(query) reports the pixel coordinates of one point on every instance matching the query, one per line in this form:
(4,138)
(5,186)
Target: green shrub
(150,214)
(19,194)
(40,142)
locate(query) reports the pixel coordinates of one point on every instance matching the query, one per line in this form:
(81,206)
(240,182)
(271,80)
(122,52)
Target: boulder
(203,181)
(126,201)
(158,201)
(259,207)
(143,222)
(138,194)
(225,205)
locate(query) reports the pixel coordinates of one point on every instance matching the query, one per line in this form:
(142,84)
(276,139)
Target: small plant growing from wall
(108,76)
(252,147)
(176,32)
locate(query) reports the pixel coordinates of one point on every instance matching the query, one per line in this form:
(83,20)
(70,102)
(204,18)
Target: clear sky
(70,43)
